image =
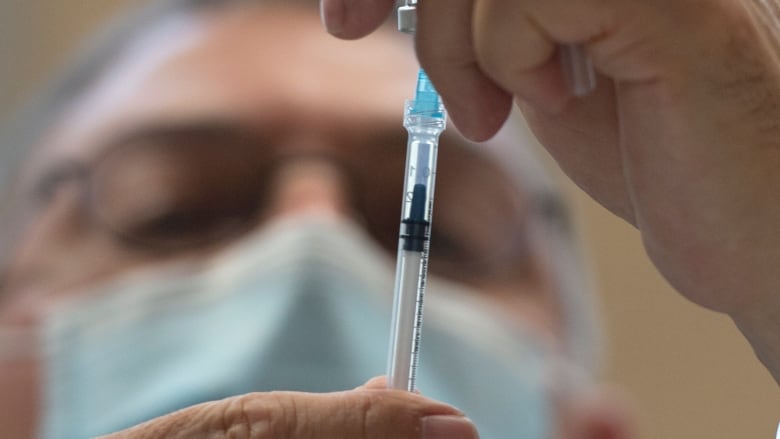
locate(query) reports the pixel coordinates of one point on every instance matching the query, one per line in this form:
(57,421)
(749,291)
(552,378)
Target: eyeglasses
(177,188)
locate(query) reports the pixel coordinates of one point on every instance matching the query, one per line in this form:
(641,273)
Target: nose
(309,186)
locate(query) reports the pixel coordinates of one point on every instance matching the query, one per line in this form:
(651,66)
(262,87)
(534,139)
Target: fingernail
(332,15)
(448,427)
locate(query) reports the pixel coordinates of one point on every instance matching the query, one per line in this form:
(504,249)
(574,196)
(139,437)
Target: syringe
(424,119)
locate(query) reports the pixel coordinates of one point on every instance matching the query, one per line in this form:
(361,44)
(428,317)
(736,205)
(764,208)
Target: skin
(349,415)
(680,138)
(176,77)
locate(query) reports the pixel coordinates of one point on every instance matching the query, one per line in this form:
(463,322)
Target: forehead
(264,65)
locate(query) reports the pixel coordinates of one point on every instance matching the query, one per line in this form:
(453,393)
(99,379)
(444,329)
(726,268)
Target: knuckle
(288,421)
(491,57)
(381,415)
(360,414)
(234,422)
(506,55)
(366,409)
(257,416)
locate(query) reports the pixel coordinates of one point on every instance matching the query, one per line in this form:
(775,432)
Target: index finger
(350,19)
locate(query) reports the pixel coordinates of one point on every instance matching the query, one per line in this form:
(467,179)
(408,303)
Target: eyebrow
(62,169)
(217,127)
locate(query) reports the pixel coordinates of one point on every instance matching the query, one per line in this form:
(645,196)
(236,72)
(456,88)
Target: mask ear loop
(567,383)
(552,241)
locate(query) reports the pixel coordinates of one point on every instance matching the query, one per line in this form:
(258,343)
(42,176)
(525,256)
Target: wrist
(761,326)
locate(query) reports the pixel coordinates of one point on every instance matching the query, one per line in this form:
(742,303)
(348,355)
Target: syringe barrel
(425,123)
(404,330)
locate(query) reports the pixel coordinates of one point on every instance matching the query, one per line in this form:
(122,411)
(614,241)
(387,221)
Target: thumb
(362,413)
(350,19)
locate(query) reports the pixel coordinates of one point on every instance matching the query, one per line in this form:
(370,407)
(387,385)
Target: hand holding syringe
(425,120)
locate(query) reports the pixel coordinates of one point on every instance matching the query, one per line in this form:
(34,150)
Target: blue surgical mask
(302,305)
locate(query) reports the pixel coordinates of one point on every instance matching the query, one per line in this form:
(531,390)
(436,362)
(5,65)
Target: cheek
(44,239)
(60,250)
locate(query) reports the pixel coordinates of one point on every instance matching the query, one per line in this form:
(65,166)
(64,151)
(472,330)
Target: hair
(554,238)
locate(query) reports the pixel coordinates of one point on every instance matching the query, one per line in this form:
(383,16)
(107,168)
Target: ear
(603,414)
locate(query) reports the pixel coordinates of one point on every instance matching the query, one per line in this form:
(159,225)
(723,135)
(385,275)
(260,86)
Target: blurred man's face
(214,126)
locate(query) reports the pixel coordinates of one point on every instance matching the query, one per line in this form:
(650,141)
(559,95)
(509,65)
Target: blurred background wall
(688,370)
